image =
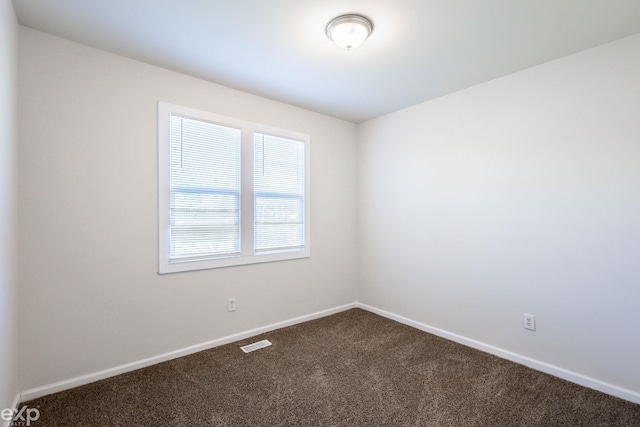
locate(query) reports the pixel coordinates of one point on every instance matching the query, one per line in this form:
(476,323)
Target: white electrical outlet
(231,304)
(530,322)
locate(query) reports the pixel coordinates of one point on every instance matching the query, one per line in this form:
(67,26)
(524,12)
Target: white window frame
(247,253)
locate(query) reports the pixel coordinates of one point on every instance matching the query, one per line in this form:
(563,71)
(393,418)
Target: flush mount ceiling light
(349,31)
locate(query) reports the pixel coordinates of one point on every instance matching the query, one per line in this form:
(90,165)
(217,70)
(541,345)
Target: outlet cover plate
(529,322)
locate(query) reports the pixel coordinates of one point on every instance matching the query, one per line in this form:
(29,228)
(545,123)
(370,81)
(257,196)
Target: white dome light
(349,31)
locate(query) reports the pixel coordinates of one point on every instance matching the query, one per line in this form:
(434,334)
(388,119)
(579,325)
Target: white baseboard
(16,401)
(36,392)
(565,374)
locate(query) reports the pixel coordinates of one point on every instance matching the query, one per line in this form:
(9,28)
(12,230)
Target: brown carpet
(350,369)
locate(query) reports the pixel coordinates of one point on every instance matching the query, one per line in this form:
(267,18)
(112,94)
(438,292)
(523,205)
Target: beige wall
(91,298)
(8,205)
(520,195)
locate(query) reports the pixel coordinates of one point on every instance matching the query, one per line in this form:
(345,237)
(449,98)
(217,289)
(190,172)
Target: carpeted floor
(350,369)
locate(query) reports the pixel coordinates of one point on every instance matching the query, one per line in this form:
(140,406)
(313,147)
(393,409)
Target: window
(231,192)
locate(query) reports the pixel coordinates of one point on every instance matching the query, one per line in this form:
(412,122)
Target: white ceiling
(419,49)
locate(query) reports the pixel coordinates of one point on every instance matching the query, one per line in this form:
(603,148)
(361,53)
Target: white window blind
(278,193)
(204,190)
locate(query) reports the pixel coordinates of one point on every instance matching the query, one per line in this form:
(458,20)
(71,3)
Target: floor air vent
(255,346)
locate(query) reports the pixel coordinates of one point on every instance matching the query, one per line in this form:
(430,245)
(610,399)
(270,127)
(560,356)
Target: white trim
(547,368)
(565,374)
(16,401)
(56,387)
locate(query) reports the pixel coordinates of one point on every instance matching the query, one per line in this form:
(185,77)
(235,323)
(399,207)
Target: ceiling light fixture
(349,31)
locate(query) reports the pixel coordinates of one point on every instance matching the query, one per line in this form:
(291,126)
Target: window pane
(279,223)
(278,193)
(205,190)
